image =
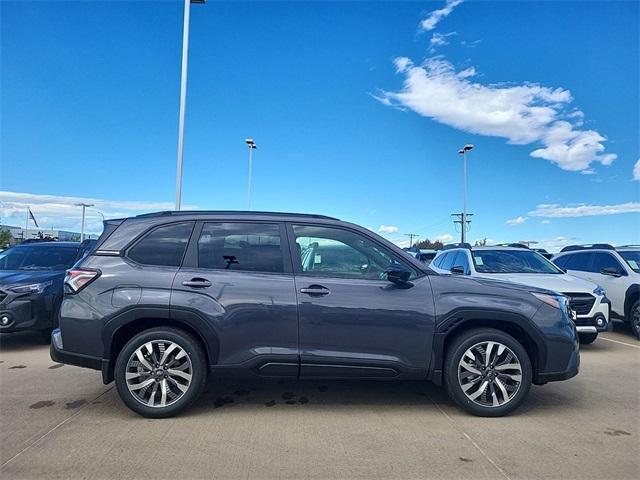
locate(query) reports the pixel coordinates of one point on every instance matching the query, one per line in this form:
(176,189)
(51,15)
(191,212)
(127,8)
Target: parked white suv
(524,266)
(616,269)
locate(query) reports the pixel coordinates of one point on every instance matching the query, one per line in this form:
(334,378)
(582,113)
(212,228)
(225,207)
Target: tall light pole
(183,96)
(84,207)
(463,151)
(252,146)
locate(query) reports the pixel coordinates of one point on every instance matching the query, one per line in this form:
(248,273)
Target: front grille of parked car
(581,303)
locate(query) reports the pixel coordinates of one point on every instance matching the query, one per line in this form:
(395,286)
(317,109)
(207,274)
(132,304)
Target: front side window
(632,257)
(334,252)
(38,258)
(512,261)
(164,246)
(252,247)
(603,261)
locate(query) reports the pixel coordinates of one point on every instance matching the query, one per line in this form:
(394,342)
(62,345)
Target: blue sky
(358,110)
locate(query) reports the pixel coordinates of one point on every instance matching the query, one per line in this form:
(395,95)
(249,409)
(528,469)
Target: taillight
(78,278)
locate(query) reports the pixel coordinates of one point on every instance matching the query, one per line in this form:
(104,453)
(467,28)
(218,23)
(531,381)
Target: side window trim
(148,232)
(297,264)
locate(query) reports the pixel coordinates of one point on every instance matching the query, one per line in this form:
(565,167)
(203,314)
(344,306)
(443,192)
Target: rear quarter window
(163,246)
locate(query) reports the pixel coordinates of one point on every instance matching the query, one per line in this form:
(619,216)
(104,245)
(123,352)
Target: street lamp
(183,97)
(463,151)
(84,207)
(252,146)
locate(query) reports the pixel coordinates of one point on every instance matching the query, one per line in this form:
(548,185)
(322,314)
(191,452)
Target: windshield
(632,257)
(512,261)
(38,258)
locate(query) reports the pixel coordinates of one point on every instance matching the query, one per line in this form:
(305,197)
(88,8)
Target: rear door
(354,322)
(614,285)
(237,278)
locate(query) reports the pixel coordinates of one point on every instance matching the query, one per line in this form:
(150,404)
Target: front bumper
(597,321)
(573,367)
(34,312)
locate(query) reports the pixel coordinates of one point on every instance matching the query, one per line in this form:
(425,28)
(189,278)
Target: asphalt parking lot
(62,422)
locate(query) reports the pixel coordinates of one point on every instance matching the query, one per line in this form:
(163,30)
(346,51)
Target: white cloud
(557,211)
(444,238)
(636,171)
(555,244)
(388,229)
(61,213)
(439,39)
(523,114)
(434,17)
(545,222)
(517,221)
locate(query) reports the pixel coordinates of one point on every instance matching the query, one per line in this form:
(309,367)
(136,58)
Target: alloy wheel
(490,374)
(158,373)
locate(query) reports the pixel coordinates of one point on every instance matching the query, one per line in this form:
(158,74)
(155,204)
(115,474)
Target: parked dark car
(31,284)
(167,299)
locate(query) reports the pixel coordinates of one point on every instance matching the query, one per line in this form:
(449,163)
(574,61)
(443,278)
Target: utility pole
(411,237)
(84,207)
(463,220)
(463,217)
(183,96)
(252,146)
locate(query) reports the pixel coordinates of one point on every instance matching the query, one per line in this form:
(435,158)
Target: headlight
(32,288)
(556,301)
(599,291)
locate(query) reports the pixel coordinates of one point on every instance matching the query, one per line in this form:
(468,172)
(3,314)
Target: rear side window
(462,261)
(253,247)
(164,246)
(578,261)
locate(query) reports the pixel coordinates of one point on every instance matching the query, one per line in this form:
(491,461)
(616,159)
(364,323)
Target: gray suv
(167,299)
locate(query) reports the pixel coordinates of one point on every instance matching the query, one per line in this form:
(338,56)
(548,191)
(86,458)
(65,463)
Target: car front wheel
(160,372)
(487,372)
(635,318)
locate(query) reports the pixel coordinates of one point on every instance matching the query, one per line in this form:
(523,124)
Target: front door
(237,277)
(354,322)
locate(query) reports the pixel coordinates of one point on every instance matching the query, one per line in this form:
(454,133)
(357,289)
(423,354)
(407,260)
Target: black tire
(454,355)
(587,338)
(634,318)
(195,353)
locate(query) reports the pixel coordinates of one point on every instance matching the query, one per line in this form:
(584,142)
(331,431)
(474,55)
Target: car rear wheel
(587,338)
(160,372)
(487,372)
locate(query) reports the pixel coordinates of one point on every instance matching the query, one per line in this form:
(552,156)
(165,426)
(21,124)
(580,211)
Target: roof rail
(629,246)
(591,246)
(513,245)
(449,246)
(540,250)
(168,213)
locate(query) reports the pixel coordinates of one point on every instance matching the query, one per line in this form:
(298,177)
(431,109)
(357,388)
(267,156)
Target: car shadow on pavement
(21,341)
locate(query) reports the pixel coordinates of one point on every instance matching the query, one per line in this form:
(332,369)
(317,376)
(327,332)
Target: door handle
(197,283)
(315,290)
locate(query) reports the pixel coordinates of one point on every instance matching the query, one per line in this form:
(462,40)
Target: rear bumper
(58,354)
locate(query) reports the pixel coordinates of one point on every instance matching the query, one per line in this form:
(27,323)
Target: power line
(411,237)
(460,216)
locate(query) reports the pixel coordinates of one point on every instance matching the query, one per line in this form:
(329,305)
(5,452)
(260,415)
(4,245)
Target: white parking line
(618,341)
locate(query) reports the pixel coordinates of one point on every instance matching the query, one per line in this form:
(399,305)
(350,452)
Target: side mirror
(611,271)
(458,270)
(399,275)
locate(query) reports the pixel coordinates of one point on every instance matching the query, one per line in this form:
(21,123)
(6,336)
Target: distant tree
(481,243)
(5,238)
(429,245)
